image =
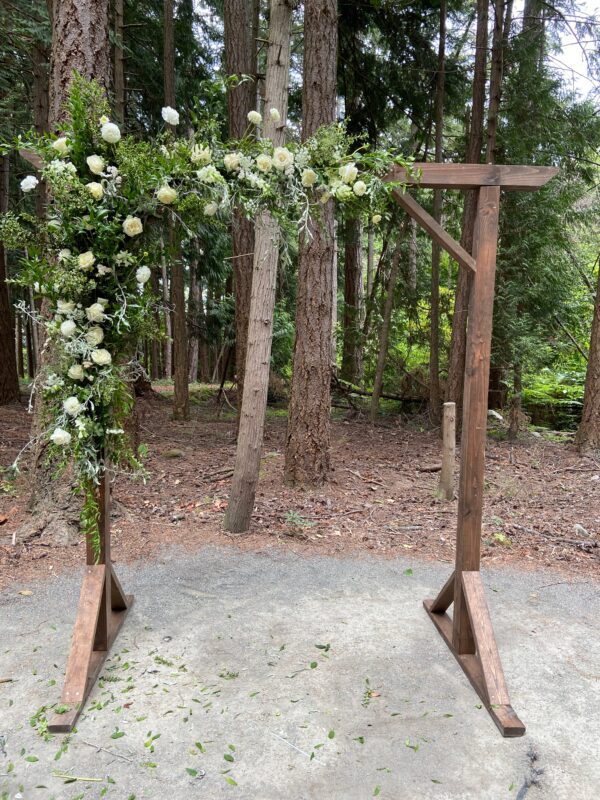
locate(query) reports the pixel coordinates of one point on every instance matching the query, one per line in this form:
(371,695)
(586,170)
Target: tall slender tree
(241,23)
(264,279)
(9,379)
(456,366)
(588,433)
(308,433)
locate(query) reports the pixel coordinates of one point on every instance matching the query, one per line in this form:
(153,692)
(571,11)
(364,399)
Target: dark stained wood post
(102,609)
(469,633)
(474,430)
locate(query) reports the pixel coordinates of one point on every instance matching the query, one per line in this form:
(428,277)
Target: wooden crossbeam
(472,176)
(434,229)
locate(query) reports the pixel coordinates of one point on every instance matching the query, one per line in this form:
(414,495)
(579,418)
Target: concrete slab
(267,676)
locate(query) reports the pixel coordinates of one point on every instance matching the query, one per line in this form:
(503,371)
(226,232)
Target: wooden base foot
(101,613)
(482,668)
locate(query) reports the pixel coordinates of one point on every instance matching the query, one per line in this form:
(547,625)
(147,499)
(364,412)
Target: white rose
(132,226)
(376,219)
(254,118)
(61,437)
(232,161)
(264,162)
(94,336)
(76,372)
(143,275)
(65,307)
(64,254)
(95,312)
(210,209)
(343,192)
(209,174)
(96,164)
(348,172)
(72,406)
(61,145)
(101,357)
(200,155)
(274,115)
(110,132)
(29,183)
(68,328)
(86,260)
(282,158)
(170,116)
(359,188)
(166,194)
(309,177)
(103,119)
(102,270)
(95,189)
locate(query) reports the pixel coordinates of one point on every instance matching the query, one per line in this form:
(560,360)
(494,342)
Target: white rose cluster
(282,158)
(29,183)
(254,118)
(166,194)
(142,275)
(132,226)
(110,132)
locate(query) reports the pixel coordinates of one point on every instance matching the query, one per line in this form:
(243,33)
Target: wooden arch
(469,633)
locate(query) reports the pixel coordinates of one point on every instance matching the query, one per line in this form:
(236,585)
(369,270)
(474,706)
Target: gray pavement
(269,676)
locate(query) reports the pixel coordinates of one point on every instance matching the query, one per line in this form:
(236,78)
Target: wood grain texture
(471,176)
(434,229)
(445,597)
(487,650)
(474,427)
(504,716)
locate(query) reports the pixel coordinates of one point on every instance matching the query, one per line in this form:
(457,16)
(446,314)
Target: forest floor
(541,496)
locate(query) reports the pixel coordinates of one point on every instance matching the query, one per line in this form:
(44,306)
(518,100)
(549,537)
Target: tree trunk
(588,434)
(352,353)
(515,404)
(181,400)
(241,22)
(80,41)
(9,378)
(458,345)
(155,367)
(193,327)
(262,300)
(168,342)
(385,327)
(19,345)
(308,434)
(119,77)
(435,397)
(168,56)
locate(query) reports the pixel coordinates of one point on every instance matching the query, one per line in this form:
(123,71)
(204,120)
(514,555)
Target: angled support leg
(468,633)
(102,610)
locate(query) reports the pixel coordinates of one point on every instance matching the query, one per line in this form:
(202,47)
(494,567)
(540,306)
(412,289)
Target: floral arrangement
(91,258)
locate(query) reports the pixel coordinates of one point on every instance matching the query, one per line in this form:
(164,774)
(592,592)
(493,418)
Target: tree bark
(385,327)
(435,397)
(9,378)
(262,300)
(119,71)
(181,399)
(241,22)
(168,342)
(353,291)
(456,366)
(80,41)
(307,458)
(193,327)
(588,434)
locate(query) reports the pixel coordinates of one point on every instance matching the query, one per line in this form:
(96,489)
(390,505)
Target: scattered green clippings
(228,676)
(31,759)
(191,771)
(447,715)
(359,739)
(230,781)
(149,764)
(117,734)
(408,572)
(478,705)
(331,735)
(433,780)
(325,647)
(511,787)
(377,791)
(414,747)
(313,665)
(200,747)
(228,757)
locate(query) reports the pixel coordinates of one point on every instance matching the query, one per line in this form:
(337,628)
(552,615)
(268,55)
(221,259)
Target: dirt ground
(541,497)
